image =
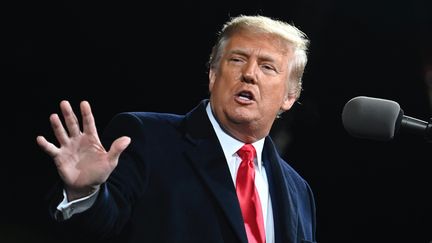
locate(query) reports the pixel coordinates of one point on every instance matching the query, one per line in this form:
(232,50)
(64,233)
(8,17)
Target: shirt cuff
(68,209)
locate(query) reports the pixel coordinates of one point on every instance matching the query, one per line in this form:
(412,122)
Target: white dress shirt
(230,146)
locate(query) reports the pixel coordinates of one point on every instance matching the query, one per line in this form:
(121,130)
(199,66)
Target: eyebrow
(244,52)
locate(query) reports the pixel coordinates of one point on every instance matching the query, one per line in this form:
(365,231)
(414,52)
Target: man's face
(249,87)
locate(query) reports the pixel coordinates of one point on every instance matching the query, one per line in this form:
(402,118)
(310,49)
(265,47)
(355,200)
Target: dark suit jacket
(172,184)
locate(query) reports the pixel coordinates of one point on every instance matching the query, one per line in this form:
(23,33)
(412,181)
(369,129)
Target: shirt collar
(230,145)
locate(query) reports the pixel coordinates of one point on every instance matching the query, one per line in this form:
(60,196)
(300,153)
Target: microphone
(380,119)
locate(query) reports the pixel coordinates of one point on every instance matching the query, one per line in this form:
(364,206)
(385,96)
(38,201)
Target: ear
(288,101)
(212,78)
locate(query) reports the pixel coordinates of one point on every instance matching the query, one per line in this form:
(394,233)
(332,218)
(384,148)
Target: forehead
(265,43)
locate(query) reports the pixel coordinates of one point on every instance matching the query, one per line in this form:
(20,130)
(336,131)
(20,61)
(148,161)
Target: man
(173,178)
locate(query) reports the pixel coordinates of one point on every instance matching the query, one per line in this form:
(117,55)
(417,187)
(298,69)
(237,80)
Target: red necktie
(248,196)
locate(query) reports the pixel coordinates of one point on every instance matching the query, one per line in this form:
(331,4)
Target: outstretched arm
(81,160)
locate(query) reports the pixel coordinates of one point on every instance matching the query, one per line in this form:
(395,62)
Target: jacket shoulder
(148,117)
(139,125)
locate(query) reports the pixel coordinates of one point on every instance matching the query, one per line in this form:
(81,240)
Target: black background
(124,56)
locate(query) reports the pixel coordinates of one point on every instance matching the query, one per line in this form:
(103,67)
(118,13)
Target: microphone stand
(418,127)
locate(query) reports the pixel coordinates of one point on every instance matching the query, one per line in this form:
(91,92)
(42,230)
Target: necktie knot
(247,152)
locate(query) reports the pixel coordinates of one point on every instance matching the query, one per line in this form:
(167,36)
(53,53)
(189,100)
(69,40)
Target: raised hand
(82,162)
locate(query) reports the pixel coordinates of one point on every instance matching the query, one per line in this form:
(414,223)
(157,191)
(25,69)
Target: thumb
(117,147)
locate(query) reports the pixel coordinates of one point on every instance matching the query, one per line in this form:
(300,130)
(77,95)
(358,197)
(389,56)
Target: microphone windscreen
(372,118)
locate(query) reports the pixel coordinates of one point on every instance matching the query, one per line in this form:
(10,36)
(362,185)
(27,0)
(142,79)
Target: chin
(242,117)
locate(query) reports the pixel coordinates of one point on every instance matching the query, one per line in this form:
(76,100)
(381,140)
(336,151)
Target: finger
(70,119)
(59,131)
(89,125)
(48,147)
(117,147)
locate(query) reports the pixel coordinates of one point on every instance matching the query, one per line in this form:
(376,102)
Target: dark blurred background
(151,56)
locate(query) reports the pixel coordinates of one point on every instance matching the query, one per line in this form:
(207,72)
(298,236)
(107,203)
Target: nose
(249,73)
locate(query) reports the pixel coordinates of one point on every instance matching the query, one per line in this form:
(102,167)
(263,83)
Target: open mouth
(245,95)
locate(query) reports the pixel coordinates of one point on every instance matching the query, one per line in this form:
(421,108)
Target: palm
(82,162)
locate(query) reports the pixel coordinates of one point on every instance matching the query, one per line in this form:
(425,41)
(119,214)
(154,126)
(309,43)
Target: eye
(235,59)
(269,68)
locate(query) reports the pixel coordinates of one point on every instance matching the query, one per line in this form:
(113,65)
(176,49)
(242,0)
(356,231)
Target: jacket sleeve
(112,208)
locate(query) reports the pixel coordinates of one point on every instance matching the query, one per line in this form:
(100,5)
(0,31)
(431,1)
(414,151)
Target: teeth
(245,95)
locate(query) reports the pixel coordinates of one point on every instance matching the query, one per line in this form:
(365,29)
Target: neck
(247,133)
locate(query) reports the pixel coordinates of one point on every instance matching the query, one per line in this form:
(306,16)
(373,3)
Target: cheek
(275,90)
(274,95)
(232,75)
(220,88)
(228,80)
(230,72)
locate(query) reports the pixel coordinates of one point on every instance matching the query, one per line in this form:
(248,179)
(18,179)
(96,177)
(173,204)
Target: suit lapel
(282,196)
(206,156)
